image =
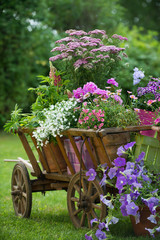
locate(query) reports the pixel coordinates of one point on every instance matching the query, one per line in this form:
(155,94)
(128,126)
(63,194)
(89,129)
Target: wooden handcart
(83,196)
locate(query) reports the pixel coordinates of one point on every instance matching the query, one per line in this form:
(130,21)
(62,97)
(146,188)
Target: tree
(24,51)
(144,13)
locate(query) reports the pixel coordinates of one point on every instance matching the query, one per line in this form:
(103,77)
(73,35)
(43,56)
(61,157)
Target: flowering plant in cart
(147,95)
(88,56)
(136,187)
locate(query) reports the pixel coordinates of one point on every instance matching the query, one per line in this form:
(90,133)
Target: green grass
(49,217)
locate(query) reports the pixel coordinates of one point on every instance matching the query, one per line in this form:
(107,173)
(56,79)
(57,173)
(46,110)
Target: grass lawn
(49,216)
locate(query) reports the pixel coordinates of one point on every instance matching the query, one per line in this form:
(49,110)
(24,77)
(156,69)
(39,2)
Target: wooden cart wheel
(90,206)
(21,190)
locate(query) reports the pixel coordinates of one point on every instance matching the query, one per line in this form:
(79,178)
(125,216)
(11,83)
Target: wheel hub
(85,204)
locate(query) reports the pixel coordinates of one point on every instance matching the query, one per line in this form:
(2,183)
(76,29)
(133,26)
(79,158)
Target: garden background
(28,32)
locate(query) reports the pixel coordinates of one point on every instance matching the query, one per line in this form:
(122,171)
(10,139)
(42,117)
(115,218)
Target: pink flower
(86,118)
(90,114)
(137,110)
(89,87)
(133,97)
(85,104)
(80,121)
(112,81)
(157,121)
(100,125)
(85,110)
(150,102)
(92,119)
(102,119)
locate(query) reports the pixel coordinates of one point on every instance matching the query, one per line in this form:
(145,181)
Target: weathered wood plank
(65,155)
(30,154)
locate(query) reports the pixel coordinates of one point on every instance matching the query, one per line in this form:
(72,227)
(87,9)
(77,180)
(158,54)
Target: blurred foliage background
(29,29)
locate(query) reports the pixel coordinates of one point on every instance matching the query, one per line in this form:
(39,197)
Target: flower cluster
(86,52)
(146,97)
(136,185)
(102,108)
(57,118)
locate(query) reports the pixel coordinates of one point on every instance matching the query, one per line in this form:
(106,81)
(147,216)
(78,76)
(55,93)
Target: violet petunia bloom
(140,157)
(93,220)
(123,210)
(101,225)
(120,162)
(103,181)
(130,165)
(129,145)
(152,219)
(88,237)
(120,151)
(132,209)
(158,229)
(107,202)
(112,172)
(121,181)
(151,231)
(100,235)
(91,174)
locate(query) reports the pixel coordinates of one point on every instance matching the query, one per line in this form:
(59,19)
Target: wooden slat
(101,144)
(58,177)
(65,155)
(54,159)
(105,131)
(90,152)
(80,132)
(76,150)
(30,154)
(41,158)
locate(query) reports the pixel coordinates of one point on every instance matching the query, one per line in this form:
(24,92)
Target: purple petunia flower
(91,174)
(129,145)
(121,181)
(151,231)
(123,210)
(158,229)
(132,209)
(107,202)
(100,235)
(101,225)
(140,157)
(152,219)
(112,172)
(93,220)
(103,181)
(120,151)
(88,237)
(119,162)
(130,165)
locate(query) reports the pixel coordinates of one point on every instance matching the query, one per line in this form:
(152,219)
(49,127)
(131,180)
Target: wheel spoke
(15,198)
(84,185)
(24,194)
(23,205)
(16,179)
(82,219)
(96,206)
(94,196)
(77,211)
(74,199)
(94,215)
(15,187)
(78,189)
(89,219)
(89,192)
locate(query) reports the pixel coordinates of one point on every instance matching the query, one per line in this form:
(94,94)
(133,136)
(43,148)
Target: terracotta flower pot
(139,228)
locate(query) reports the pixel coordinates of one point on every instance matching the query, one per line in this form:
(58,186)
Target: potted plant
(137,194)
(146,100)
(56,109)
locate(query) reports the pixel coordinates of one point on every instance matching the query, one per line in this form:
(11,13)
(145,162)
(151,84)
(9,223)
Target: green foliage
(143,51)
(24,50)
(143,13)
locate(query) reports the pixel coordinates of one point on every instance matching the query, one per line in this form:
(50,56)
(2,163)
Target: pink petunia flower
(150,102)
